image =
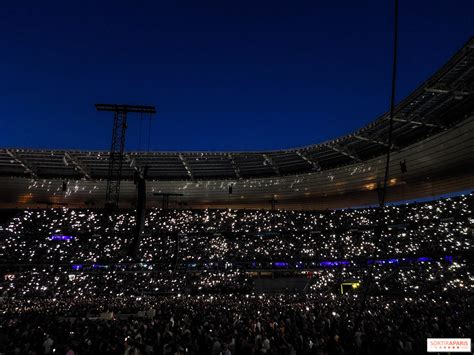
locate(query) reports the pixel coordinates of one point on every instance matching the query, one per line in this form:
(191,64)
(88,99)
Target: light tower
(117,147)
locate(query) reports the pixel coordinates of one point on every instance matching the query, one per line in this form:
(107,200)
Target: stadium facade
(432,154)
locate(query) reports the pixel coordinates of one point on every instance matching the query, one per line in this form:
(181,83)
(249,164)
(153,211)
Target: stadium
(356,245)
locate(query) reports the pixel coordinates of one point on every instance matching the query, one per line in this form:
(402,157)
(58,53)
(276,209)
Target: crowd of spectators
(232,324)
(184,237)
(60,296)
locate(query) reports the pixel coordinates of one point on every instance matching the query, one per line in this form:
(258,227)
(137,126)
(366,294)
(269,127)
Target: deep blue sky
(225,75)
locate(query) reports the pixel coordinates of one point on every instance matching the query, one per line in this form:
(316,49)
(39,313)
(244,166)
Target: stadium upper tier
(432,130)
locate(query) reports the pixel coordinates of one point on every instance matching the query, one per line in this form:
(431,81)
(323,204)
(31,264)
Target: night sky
(225,75)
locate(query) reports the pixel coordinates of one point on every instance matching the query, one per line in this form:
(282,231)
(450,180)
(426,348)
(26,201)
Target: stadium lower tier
(58,282)
(51,310)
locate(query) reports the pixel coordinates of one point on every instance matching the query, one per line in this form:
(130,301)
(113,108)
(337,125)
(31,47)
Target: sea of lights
(218,236)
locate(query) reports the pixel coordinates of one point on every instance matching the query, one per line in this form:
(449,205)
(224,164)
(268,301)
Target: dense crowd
(54,282)
(193,288)
(184,237)
(231,324)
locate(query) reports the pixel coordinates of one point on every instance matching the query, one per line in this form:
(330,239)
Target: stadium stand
(197,287)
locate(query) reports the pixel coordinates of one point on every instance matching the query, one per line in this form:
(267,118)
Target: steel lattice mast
(117,147)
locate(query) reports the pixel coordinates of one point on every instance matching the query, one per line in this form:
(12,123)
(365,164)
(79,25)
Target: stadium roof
(435,110)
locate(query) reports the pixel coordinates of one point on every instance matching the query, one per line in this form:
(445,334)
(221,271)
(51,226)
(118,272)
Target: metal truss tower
(117,147)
